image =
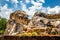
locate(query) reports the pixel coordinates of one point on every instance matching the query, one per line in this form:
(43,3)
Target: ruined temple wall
(16,23)
(53,19)
(18,20)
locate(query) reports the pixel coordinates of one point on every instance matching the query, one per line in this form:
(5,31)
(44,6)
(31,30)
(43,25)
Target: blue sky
(51,3)
(29,6)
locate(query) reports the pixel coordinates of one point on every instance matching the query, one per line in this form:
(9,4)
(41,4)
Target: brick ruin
(45,24)
(49,23)
(17,21)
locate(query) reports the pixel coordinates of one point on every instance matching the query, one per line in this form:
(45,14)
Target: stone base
(32,38)
(1,37)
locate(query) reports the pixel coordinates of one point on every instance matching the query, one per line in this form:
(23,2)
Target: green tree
(2,25)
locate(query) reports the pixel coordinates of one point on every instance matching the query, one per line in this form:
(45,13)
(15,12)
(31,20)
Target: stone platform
(32,38)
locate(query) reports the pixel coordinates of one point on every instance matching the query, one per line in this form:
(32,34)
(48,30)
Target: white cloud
(50,10)
(56,9)
(36,3)
(14,1)
(5,11)
(27,1)
(31,10)
(23,6)
(41,1)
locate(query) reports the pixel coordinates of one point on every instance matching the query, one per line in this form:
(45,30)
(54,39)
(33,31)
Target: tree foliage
(2,25)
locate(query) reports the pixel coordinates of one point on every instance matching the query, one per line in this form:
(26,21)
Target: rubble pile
(41,24)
